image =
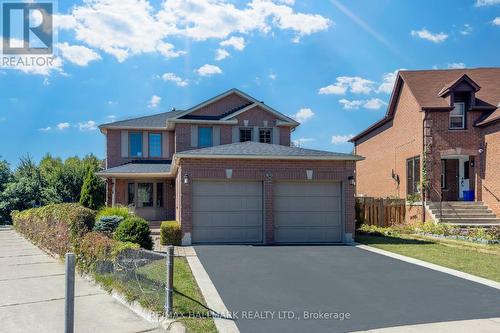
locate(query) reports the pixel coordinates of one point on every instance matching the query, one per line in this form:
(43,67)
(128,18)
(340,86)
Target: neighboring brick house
(441,126)
(226,171)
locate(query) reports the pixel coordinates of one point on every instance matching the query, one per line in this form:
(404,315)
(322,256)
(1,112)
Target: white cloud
(467,30)
(62,126)
(238,43)
(111,117)
(496,21)
(221,54)
(89,125)
(299,142)
(77,54)
(355,85)
(480,3)
(45,129)
(372,103)
(303,115)
(272,76)
(388,80)
(154,102)
(208,70)
(340,139)
(456,65)
(180,82)
(430,36)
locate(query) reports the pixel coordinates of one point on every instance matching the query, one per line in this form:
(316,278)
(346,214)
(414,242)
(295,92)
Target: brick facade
(490,176)
(258,170)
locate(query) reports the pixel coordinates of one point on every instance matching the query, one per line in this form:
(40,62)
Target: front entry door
(451,174)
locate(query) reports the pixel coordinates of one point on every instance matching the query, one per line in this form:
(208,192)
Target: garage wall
(267,171)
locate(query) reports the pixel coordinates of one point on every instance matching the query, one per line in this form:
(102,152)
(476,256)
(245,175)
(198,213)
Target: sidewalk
(32,295)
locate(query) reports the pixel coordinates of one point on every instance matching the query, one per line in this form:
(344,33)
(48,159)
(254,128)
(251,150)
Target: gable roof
(258,150)
(156,121)
(428,87)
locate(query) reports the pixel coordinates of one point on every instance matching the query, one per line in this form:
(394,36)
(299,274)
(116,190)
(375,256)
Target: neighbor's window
(205,136)
(145,195)
(154,145)
(245,134)
(443,173)
(413,175)
(159,194)
(457,116)
(466,169)
(135,142)
(265,135)
(131,193)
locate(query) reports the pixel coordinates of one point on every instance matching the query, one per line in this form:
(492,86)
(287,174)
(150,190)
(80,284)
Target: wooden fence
(380,212)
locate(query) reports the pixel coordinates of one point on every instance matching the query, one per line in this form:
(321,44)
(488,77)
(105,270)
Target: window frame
(141,204)
(149,144)
(462,116)
(246,129)
(413,182)
(200,130)
(130,135)
(443,174)
(268,130)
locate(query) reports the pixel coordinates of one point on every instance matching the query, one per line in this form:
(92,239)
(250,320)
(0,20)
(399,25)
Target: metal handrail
(440,200)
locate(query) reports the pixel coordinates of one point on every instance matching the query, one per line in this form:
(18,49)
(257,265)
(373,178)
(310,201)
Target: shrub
(98,248)
(93,191)
(439,229)
(107,224)
(135,230)
(494,232)
(170,233)
(57,228)
(114,211)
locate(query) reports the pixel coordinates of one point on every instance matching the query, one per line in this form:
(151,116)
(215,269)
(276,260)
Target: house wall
(114,151)
(388,148)
(257,170)
(490,174)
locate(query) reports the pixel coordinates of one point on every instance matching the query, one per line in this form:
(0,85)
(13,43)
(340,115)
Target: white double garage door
(233,212)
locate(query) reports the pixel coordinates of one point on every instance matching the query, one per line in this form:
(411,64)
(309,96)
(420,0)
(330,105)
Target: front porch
(462,213)
(457,178)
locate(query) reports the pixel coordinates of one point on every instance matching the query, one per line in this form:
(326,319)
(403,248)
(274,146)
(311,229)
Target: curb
(442,269)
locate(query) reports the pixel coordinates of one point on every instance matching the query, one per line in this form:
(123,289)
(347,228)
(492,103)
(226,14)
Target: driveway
(376,291)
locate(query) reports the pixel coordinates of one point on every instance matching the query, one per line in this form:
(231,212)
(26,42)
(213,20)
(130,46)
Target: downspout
(424,196)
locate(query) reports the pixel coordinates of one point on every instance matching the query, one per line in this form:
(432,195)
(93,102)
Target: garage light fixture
(352,181)
(185,179)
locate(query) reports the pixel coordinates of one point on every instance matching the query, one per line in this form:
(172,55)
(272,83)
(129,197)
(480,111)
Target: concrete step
(475,220)
(458,205)
(465,217)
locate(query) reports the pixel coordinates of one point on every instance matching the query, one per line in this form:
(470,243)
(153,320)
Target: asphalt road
(276,288)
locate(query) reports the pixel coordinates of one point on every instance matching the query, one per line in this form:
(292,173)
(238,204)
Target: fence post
(69,305)
(169,288)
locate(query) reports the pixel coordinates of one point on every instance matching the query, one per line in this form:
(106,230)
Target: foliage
(114,211)
(107,224)
(93,191)
(430,227)
(97,248)
(413,198)
(170,233)
(5,174)
(135,230)
(57,228)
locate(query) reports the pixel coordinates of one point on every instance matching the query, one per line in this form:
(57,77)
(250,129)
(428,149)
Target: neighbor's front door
(451,174)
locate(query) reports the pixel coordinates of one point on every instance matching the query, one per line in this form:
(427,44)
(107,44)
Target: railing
(379,211)
(440,195)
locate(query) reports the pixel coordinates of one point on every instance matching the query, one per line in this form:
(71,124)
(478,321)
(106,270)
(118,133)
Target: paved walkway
(32,295)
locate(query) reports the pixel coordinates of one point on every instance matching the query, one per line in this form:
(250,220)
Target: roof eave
(105,174)
(273,157)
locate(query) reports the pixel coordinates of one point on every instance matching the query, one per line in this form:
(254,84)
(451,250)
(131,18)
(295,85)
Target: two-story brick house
(442,130)
(226,171)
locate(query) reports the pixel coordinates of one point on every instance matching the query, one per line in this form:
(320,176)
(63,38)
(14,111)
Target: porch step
(472,221)
(463,213)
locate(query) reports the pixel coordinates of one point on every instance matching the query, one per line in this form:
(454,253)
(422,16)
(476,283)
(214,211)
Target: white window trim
(462,116)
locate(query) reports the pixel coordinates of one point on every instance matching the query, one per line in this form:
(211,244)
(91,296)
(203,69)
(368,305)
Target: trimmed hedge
(114,211)
(170,233)
(57,228)
(107,224)
(135,230)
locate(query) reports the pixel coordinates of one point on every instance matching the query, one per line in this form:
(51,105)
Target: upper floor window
(265,135)
(154,145)
(205,136)
(245,134)
(135,143)
(457,116)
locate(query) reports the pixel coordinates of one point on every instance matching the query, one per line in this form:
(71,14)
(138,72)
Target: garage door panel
(227,235)
(307,204)
(224,203)
(227,212)
(307,212)
(316,219)
(308,189)
(316,235)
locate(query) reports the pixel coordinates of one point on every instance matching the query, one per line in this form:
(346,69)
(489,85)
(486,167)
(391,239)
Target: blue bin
(468,195)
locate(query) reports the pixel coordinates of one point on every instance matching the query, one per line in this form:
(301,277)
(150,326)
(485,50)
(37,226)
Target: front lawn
(462,257)
(146,285)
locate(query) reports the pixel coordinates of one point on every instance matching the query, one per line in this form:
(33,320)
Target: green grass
(465,258)
(146,286)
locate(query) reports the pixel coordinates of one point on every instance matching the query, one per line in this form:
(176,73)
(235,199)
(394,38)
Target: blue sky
(330,64)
